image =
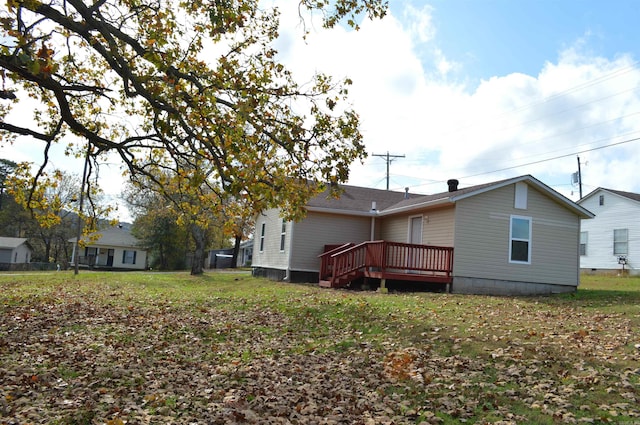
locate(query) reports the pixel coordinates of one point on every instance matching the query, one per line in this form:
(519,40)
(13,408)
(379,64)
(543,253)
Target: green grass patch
(145,346)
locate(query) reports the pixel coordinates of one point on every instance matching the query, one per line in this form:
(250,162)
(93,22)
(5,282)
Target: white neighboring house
(245,254)
(14,250)
(115,248)
(610,242)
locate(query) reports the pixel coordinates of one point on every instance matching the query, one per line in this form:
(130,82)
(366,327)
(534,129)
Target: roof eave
(576,208)
(339,211)
(426,204)
(609,191)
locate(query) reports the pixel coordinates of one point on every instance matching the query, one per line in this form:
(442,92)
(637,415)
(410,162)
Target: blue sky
(499,37)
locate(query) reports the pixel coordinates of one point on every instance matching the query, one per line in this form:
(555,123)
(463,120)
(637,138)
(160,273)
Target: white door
(415,237)
(415,230)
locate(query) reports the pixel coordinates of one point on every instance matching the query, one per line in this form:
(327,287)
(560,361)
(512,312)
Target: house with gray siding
(112,248)
(610,242)
(14,250)
(514,236)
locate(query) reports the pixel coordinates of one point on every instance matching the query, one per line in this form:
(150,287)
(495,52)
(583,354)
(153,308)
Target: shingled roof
(6,242)
(357,200)
(118,236)
(630,195)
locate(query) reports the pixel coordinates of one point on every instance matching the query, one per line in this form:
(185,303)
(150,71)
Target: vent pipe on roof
(373,206)
(406,193)
(453,185)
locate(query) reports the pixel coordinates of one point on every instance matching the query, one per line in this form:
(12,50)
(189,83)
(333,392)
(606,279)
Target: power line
(541,161)
(554,158)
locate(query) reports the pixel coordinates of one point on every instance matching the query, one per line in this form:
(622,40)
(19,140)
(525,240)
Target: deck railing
(384,257)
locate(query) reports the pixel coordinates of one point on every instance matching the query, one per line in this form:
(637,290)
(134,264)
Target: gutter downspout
(287,276)
(373,212)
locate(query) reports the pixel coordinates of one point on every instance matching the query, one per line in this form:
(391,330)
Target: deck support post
(383,286)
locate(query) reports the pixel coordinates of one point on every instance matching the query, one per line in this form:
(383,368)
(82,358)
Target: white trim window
(283,235)
(262,232)
(584,237)
(521,196)
(520,231)
(128,257)
(620,241)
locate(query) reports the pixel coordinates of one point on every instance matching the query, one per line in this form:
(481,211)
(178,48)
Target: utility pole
(579,178)
(389,159)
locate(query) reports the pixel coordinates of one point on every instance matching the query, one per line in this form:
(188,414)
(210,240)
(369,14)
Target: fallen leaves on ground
(315,357)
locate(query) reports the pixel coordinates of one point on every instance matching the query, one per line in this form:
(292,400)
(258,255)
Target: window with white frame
(620,241)
(128,257)
(520,240)
(283,235)
(521,196)
(262,231)
(584,236)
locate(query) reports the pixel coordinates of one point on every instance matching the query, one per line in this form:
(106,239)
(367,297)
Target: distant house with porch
(15,250)
(610,243)
(514,236)
(112,248)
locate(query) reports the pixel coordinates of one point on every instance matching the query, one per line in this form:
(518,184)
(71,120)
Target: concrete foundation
(480,286)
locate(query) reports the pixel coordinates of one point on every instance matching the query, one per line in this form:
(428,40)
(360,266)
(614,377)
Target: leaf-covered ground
(151,348)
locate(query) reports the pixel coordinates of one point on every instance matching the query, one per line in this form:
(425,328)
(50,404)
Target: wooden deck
(341,265)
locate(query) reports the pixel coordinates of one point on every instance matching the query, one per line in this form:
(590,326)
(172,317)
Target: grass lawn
(142,348)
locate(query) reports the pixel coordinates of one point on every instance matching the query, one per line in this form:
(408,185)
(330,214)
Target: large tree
(7,167)
(15,220)
(163,83)
(156,226)
(170,222)
(50,212)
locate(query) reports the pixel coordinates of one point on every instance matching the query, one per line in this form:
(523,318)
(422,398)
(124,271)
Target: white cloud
(446,129)
(420,22)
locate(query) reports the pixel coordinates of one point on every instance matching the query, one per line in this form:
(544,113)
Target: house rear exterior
(610,243)
(515,236)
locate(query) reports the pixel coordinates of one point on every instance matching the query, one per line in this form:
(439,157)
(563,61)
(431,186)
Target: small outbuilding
(15,250)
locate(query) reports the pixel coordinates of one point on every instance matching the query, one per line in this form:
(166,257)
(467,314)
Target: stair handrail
(351,259)
(326,260)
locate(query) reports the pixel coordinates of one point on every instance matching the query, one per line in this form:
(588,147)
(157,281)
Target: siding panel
(271,256)
(437,227)
(482,238)
(319,229)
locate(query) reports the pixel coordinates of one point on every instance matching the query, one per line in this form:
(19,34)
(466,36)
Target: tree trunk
(47,247)
(164,263)
(197,262)
(236,250)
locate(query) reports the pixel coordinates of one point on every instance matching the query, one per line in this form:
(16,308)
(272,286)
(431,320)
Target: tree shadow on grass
(595,298)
